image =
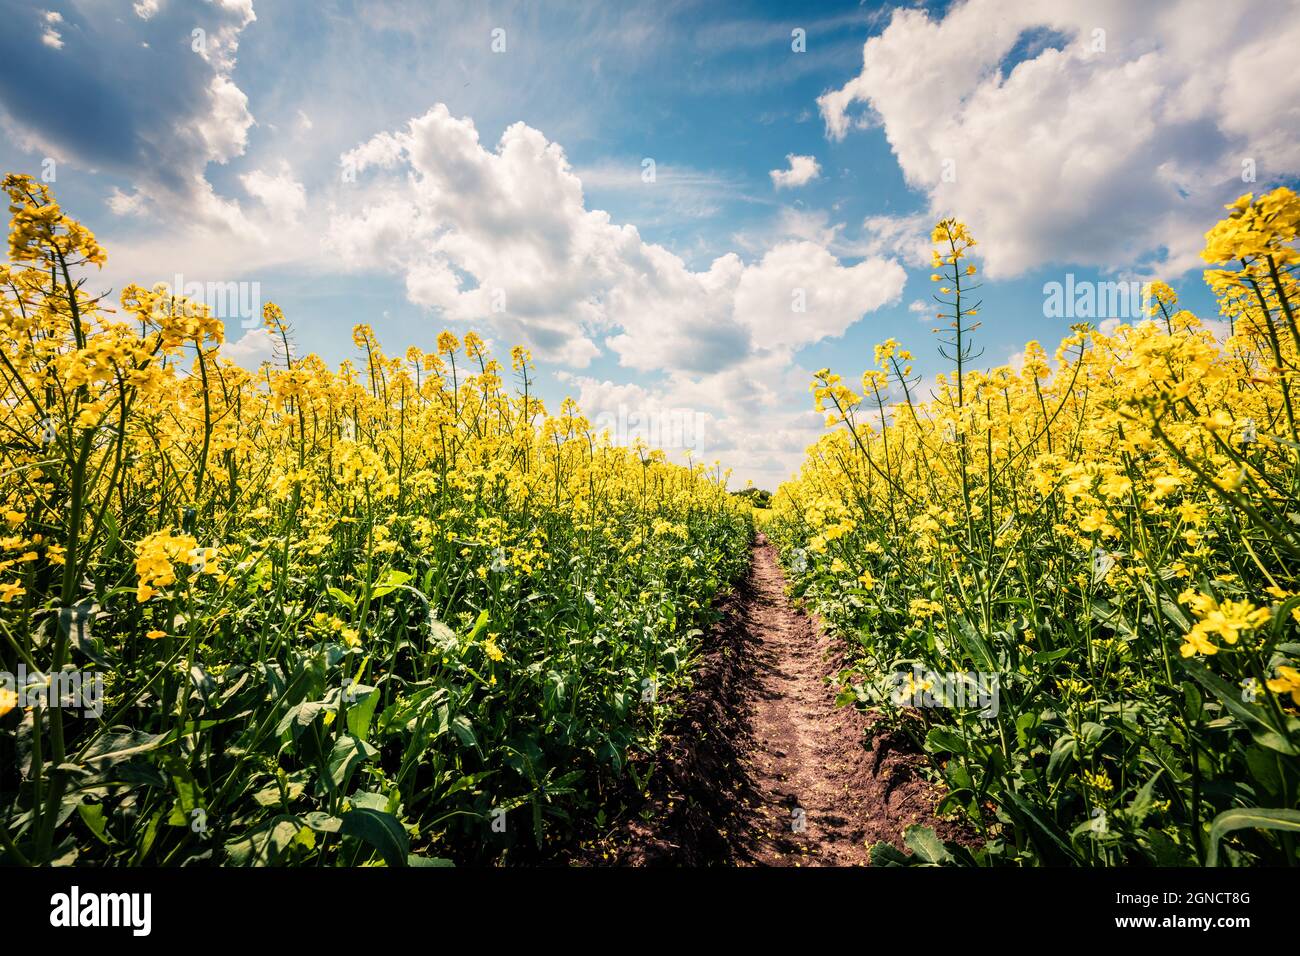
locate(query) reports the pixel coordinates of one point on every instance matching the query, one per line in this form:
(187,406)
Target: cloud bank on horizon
(775,219)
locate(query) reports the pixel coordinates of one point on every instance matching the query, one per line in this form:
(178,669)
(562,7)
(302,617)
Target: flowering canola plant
(1112,533)
(391,612)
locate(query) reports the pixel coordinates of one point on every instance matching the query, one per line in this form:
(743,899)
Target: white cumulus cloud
(159,103)
(251,349)
(282,195)
(803,170)
(504,237)
(1096,132)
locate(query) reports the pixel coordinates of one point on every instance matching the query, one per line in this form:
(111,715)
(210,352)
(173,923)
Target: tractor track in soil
(762,768)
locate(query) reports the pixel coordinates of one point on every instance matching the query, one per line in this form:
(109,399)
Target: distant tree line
(758,497)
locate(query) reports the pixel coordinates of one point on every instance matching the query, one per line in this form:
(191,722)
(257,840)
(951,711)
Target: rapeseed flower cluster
(318,591)
(1111,529)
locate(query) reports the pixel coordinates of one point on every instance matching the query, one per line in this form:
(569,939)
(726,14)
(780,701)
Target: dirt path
(763,768)
(805,753)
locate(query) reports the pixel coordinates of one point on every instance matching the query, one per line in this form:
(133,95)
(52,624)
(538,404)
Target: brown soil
(762,768)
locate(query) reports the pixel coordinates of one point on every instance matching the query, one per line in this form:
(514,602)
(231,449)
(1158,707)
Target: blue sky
(421,166)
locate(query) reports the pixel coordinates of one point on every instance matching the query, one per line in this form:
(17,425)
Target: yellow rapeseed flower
(1286,682)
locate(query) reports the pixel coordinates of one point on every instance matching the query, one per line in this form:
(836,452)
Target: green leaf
(1027,811)
(272,796)
(349,753)
(403,713)
(1253,717)
(390,582)
(1063,753)
(1175,613)
(112,537)
(958,776)
(150,832)
(1024,724)
(362,710)
(442,636)
(1163,850)
(263,846)
(1105,612)
(347,600)
(467,782)
(1263,767)
(383,831)
(1092,732)
(1137,810)
(92,814)
(925,843)
(944,739)
(479,626)
(301,716)
(119,744)
(374,801)
(464,731)
(886,854)
(322,822)
(188,795)
(1243,818)
(1283,614)
(977,647)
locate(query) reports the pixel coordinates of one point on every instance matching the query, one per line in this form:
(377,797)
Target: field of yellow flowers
(395,612)
(391,612)
(1109,538)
